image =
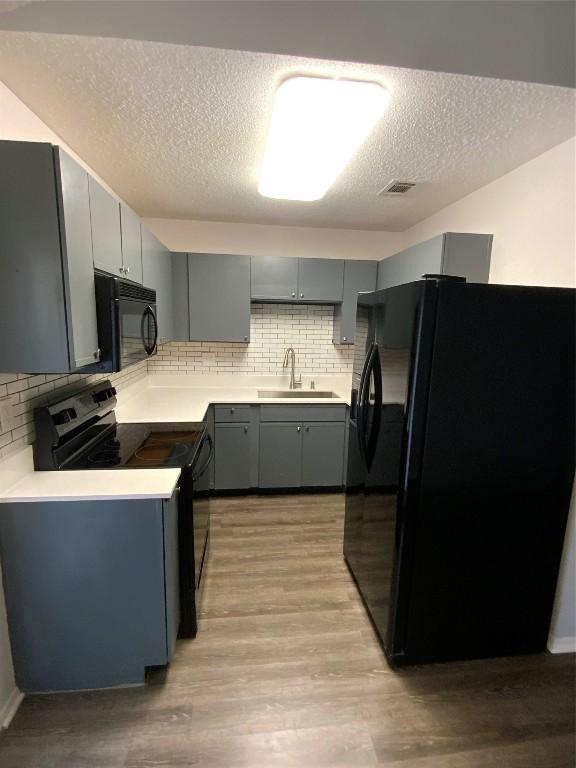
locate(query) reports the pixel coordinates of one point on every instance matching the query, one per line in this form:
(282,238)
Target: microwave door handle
(148,348)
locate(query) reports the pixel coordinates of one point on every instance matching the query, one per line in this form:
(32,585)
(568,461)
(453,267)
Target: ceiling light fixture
(317,125)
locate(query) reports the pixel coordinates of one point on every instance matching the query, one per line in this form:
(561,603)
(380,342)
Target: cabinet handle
(245,430)
(231,410)
(343,338)
(298,429)
(126,270)
(293,295)
(97,355)
(245,338)
(307,428)
(121,270)
(301,295)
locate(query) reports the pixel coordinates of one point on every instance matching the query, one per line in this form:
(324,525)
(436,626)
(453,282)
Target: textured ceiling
(179,131)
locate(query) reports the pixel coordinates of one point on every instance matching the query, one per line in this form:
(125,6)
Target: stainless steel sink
(297,393)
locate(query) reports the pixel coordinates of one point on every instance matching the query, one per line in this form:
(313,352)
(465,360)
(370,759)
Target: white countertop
(170,398)
(20,483)
(176,398)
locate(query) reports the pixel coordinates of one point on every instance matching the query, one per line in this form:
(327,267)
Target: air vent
(397,188)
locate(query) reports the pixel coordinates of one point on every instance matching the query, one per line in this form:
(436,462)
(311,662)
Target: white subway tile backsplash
(273,328)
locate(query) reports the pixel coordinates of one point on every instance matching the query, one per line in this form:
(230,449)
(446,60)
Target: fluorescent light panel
(317,125)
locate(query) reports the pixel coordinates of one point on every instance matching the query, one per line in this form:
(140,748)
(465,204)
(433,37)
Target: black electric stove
(81,432)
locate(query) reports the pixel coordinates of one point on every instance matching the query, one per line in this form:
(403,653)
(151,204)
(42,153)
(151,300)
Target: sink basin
(308,393)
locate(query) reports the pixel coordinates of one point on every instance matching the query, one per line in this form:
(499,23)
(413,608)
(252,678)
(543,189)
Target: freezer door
(381,445)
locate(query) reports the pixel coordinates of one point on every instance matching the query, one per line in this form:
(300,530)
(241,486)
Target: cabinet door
(409,265)
(467,255)
(358,276)
(157,274)
(280,455)
(180,311)
(323,454)
(171,571)
(274,278)
(76,236)
(106,238)
(321,280)
(219,297)
(232,457)
(131,244)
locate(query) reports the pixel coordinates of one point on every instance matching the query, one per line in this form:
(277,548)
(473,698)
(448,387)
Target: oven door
(138,331)
(193,527)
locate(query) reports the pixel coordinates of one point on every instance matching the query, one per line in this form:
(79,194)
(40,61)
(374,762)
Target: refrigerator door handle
(363,398)
(356,406)
(372,438)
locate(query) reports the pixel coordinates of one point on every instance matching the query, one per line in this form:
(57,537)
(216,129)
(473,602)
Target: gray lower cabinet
(131,244)
(157,274)
(106,236)
(452,253)
(47,301)
(322,454)
(280,464)
(273,279)
(359,276)
(232,459)
(219,297)
(321,280)
(91,590)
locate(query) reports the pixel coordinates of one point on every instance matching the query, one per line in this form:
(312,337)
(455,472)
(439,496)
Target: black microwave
(127,323)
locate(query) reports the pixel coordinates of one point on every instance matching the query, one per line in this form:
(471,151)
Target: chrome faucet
(294,383)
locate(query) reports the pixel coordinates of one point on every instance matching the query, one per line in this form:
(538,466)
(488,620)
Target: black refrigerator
(460,465)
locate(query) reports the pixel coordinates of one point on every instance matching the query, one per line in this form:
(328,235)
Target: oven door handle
(197,475)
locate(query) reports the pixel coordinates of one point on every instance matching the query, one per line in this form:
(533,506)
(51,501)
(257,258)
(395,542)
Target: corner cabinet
(218,297)
(452,253)
(47,300)
(359,276)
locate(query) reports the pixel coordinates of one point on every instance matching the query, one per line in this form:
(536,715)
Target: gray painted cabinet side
(219,297)
(323,454)
(180,311)
(32,301)
(171,572)
(467,255)
(106,237)
(273,278)
(131,244)
(280,455)
(76,238)
(157,274)
(85,592)
(233,456)
(411,264)
(321,280)
(358,276)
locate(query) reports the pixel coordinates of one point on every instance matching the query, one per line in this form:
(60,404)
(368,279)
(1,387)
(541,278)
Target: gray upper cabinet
(359,276)
(321,280)
(47,301)
(106,237)
(452,253)
(157,274)
(219,297)
(131,244)
(274,278)
(285,279)
(180,311)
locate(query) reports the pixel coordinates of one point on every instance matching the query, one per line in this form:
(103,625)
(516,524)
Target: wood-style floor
(286,671)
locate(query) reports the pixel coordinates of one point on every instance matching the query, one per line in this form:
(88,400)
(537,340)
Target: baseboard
(10,707)
(562,644)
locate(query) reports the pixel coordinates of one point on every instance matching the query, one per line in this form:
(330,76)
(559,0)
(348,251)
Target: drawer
(302,413)
(231,413)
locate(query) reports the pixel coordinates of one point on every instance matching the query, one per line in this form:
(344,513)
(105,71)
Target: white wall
(272,240)
(531,213)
